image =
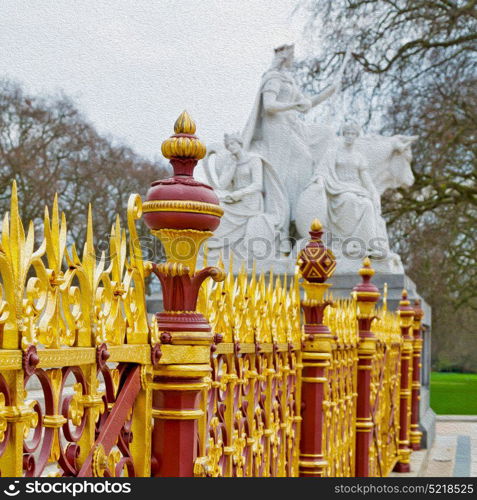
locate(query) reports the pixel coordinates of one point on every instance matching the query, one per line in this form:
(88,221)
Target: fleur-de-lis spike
(55,219)
(89,254)
(16,233)
(115,250)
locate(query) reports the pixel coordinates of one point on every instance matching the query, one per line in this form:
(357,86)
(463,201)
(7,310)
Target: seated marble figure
(345,192)
(255,220)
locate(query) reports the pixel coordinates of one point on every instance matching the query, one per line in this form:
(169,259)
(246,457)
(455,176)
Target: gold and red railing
(251,404)
(75,349)
(241,375)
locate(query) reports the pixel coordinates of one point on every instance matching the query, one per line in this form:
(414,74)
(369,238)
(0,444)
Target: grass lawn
(454,393)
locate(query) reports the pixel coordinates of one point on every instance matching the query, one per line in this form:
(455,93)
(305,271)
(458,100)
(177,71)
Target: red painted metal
(406,313)
(366,292)
(416,371)
(111,428)
(182,187)
(316,265)
(311,442)
(174,442)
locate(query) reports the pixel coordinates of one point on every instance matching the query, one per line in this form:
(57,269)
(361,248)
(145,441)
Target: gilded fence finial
(366,293)
(182,212)
(405,311)
(184,144)
(316,262)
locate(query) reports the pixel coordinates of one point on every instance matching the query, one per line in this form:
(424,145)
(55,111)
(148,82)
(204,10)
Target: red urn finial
(418,312)
(182,213)
(316,262)
(181,202)
(366,273)
(404,303)
(405,311)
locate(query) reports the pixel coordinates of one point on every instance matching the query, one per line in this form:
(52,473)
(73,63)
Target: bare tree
(415,70)
(48,147)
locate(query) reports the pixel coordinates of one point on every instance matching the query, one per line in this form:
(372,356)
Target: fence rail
(245,375)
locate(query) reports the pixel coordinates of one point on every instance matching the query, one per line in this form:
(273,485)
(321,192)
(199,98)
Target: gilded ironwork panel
(385,387)
(56,309)
(340,396)
(251,424)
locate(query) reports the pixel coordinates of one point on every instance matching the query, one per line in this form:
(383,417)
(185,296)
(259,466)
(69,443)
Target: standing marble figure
(275,130)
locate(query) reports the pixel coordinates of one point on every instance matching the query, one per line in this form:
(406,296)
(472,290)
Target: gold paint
(316,225)
(100,462)
(177,414)
(182,371)
(183,354)
(366,270)
(184,144)
(130,354)
(184,124)
(197,338)
(50,358)
(67,304)
(182,247)
(385,392)
(10,359)
(264,319)
(182,206)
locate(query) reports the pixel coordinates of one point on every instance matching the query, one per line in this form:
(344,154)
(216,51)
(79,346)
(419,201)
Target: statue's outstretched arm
(272,105)
(336,86)
(319,98)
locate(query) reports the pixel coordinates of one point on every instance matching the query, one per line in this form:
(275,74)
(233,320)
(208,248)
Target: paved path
(454,453)
(455,449)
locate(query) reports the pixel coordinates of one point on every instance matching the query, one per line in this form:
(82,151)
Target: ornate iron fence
(74,332)
(247,376)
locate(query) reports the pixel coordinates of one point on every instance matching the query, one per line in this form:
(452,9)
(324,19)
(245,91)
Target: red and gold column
(182,213)
(366,294)
(416,434)
(406,319)
(316,264)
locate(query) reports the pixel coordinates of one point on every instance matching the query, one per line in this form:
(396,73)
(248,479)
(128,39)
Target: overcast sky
(133,66)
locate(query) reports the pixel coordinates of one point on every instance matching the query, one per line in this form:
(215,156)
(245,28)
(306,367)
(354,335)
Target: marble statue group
(281,172)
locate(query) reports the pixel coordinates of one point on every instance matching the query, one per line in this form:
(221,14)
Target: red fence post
(316,264)
(182,213)
(367,294)
(416,434)
(406,317)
